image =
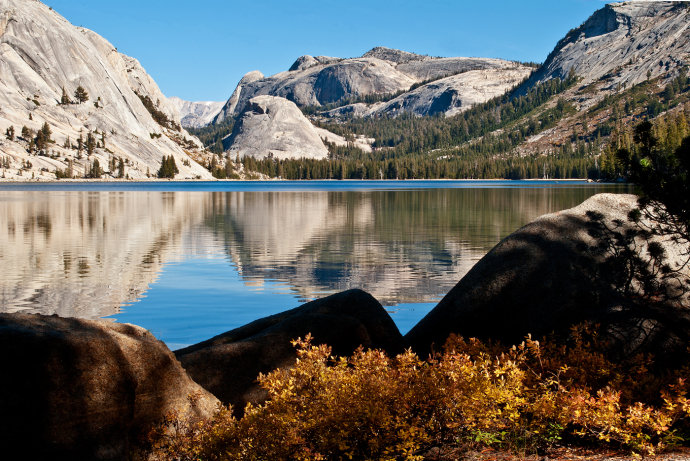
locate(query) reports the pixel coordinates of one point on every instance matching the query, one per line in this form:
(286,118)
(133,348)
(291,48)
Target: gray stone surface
(81,389)
(229,364)
(543,279)
(40,54)
(196,114)
(315,81)
(623,42)
(273,126)
(307,61)
(448,96)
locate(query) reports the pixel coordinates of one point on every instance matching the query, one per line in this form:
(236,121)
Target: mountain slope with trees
(564,121)
(102,110)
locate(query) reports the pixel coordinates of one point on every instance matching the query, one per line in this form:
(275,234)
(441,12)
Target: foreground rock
(229,364)
(544,278)
(274,127)
(79,389)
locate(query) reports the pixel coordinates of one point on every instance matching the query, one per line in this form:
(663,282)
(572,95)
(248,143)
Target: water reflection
(89,253)
(402,246)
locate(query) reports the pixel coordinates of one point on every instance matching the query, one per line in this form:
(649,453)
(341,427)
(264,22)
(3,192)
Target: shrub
(369,406)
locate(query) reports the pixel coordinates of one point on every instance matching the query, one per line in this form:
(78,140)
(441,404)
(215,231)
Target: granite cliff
(322,80)
(625,43)
(43,60)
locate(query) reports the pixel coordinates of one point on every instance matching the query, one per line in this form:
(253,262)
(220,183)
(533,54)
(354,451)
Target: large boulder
(551,275)
(80,389)
(229,364)
(274,127)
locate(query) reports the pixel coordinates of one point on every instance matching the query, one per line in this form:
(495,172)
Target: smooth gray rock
(393,55)
(306,61)
(543,279)
(274,127)
(196,114)
(81,389)
(622,43)
(315,81)
(40,54)
(447,96)
(229,364)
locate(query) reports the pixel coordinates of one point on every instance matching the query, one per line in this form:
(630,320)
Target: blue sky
(199,50)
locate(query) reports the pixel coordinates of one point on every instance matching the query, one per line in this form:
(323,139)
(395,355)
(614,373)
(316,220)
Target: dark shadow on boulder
(78,389)
(229,364)
(545,278)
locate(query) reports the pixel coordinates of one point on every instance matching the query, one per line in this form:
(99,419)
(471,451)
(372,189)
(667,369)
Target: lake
(191,260)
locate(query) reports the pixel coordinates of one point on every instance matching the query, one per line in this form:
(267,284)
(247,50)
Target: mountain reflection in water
(94,254)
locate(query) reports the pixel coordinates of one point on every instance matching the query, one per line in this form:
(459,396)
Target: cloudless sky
(199,50)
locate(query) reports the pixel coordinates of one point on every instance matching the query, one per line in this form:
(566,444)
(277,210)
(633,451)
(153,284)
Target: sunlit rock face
(624,43)
(315,81)
(86,254)
(274,127)
(449,95)
(196,114)
(41,54)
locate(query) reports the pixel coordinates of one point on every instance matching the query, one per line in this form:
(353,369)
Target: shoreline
(199,181)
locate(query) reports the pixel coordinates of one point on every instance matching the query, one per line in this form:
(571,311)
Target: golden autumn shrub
(370,406)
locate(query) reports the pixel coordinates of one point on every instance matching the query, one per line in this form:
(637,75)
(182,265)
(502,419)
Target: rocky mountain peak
(250,77)
(195,114)
(624,43)
(393,55)
(307,61)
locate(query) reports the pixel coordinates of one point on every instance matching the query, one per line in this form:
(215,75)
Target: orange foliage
(369,406)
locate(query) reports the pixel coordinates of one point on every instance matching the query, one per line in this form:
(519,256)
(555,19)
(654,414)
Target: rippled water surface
(191,260)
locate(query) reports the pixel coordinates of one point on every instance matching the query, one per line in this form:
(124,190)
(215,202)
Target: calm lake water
(191,260)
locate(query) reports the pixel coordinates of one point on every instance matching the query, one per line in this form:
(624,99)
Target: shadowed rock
(229,364)
(79,389)
(545,278)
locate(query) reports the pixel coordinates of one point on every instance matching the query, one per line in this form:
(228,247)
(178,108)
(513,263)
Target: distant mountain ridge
(195,114)
(321,80)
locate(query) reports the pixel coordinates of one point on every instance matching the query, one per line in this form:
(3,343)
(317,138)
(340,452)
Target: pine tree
(10,133)
(94,171)
(80,145)
(43,137)
(81,95)
(168,167)
(90,143)
(27,133)
(121,169)
(64,100)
